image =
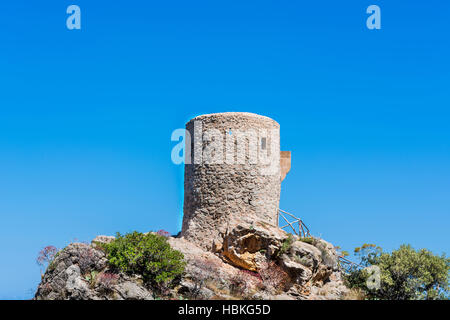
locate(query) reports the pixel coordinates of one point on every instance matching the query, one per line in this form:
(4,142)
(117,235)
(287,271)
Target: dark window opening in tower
(263,143)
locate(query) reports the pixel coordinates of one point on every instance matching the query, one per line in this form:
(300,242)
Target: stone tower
(232,174)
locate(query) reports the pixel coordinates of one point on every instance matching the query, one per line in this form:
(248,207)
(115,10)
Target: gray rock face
(102,239)
(77,273)
(75,286)
(130,290)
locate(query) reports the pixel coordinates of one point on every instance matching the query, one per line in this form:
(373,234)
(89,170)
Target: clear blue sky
(86,116)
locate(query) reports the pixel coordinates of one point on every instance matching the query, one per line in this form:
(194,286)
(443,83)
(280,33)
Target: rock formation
(242,269)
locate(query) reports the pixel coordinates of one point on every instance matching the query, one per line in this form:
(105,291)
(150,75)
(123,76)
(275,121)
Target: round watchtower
(232,174)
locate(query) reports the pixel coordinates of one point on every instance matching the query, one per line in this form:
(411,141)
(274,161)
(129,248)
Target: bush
(46,256)
(404,274)
(148,255)
(163,233)
(91,278)
(308,240)
(286,245)
(354,294)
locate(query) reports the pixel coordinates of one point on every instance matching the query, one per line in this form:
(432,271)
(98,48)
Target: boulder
(248,245)
(131,290)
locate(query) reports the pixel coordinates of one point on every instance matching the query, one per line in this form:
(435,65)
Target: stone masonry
(232,174)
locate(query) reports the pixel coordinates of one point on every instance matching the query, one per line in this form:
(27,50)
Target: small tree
(46,256)
(404,274)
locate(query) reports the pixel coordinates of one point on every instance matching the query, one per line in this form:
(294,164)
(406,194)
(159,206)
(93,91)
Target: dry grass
(355,294)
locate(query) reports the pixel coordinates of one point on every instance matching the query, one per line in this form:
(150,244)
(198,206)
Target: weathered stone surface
(130,290)
(328,253)
(217,195)
(74,273)
(102,239)
(329,291)
(306,254)
(75,286)
(247,245)
(201,263)
(298,271)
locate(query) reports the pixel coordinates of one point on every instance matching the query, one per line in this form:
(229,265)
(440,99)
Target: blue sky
(86,116)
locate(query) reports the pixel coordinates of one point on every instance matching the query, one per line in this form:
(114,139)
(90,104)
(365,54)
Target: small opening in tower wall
(263,143)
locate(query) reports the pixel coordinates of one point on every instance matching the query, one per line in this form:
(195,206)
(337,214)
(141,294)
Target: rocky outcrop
(80,272)
(254,261)
(311,263)
(248,245)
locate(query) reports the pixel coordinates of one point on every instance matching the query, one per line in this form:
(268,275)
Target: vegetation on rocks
(286,245)
(157,266)
(46,256)
(149,255)
(309,240)
(256,262)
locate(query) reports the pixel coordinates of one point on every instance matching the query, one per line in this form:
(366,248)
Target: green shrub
(148,255)
(404,274)
(286,245)
(308,240)
(91,278)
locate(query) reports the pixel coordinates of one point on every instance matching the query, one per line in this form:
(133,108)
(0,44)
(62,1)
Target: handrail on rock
(347,266)
(301,231)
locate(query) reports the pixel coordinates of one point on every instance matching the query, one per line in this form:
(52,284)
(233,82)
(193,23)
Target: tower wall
(219,193)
